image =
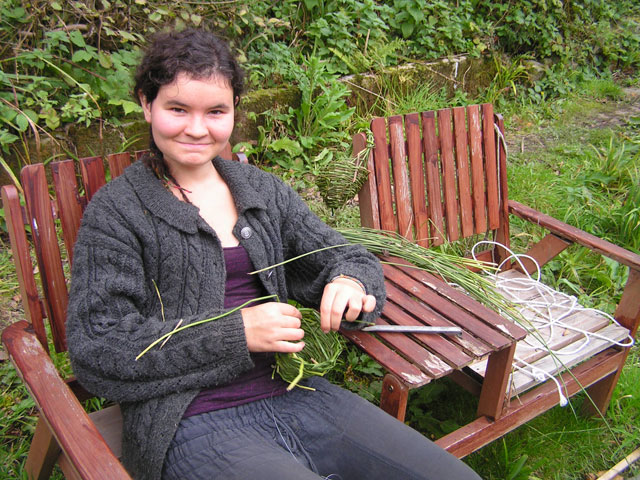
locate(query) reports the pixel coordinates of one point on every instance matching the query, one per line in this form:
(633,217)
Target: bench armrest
(72,428)
(575,235)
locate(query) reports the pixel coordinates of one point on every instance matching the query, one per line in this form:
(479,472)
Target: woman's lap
(329,432)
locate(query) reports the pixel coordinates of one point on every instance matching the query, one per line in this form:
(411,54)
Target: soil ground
(609,114)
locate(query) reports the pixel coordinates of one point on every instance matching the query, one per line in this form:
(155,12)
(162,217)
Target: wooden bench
(441,176)
(411,153)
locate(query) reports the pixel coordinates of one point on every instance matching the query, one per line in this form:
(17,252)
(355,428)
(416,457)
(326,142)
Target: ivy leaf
(127,105)
(77,39)
(311,4)
(407,29)
(81,56)
(6,138)
(105,60)
(15,13)
(51,118)
(22,123)
(416,13)
(126,36)
(7,114)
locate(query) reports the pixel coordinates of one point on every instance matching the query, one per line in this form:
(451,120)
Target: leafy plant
(49,89)
(421,413)
(508,76)
(304,133)
(362,374)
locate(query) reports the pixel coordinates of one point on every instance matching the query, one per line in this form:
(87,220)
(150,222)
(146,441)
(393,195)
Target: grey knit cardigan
(135,235)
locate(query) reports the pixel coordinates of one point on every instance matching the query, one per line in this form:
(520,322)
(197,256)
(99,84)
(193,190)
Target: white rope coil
(550,308)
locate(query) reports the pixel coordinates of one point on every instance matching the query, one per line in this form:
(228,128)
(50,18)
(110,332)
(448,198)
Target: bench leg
(628,315)
(495,383)
(43,453)
(393,398)
(600,392)
(68,469)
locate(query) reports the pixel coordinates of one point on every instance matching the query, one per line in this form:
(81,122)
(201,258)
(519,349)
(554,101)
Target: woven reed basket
(342,179)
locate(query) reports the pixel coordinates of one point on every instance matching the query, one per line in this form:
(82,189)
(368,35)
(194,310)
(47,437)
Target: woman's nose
(196,126)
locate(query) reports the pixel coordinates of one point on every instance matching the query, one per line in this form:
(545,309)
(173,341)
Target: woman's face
(191,120)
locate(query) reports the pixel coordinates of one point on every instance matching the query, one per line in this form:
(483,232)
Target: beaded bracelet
(358,282)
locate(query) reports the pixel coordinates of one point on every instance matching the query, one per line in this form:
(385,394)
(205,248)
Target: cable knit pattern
(135,234)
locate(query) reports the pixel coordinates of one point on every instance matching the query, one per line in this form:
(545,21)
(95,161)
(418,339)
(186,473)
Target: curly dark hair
(195,52)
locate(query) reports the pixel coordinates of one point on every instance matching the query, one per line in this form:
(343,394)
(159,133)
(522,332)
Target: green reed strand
(298,257)
(200,322)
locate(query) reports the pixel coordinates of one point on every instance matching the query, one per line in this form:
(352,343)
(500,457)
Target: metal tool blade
(413,329)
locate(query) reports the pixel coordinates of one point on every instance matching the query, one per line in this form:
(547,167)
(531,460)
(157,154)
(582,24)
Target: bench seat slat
(437,344)
(389,359)
(443,306)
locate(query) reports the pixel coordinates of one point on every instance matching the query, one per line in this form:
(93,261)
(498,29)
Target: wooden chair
(442,176)
(85,446)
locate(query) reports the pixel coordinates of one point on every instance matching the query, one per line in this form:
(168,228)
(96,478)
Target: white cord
(539,374)
(550,311)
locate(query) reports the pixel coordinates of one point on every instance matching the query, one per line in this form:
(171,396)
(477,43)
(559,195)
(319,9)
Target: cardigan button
(246,232)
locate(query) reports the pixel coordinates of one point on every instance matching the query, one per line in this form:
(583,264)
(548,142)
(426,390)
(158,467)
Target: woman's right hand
(273,327)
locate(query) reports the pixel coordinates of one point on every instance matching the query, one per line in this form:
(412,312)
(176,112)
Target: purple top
(256,383)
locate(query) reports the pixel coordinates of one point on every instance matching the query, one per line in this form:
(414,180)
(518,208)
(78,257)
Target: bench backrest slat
(13,215)
(45,241)
(431,147)
(93,176)
(436,175)
(417,177)
(118,162)
(69,202)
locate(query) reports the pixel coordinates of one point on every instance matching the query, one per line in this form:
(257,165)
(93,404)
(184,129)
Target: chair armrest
(576,235)
(72,428)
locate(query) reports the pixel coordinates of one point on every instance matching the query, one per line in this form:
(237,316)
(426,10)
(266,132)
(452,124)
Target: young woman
(172,242)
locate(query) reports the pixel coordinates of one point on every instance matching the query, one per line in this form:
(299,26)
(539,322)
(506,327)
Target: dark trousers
(327,433)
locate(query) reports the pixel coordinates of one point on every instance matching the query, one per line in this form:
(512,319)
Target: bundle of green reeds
(319,355)
(452,268)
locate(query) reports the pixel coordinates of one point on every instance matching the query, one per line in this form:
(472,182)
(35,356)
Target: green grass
(17,411)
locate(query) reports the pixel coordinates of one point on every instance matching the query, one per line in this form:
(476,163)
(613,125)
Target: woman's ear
(236,101)
(146,107)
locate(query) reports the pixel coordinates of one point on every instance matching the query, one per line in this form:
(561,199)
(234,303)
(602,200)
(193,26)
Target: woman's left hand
(340,295)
